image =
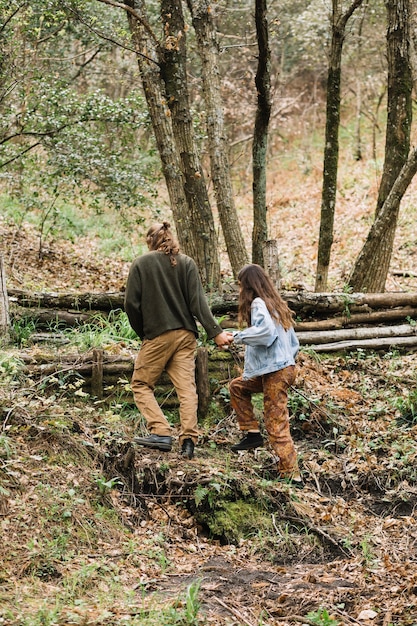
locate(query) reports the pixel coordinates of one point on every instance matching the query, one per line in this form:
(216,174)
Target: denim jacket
(268,347)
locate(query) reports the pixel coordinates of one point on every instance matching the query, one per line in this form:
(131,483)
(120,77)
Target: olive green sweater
(160,297)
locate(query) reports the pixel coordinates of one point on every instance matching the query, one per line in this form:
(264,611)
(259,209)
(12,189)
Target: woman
(271,349)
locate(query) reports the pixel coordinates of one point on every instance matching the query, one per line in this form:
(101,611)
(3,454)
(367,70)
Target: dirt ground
(343,550)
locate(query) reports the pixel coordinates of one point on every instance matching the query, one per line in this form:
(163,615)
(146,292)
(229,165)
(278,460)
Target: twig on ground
(348,553)
(234,612)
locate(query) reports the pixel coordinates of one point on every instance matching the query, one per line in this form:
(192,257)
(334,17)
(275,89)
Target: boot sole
(153,446)
(259,445)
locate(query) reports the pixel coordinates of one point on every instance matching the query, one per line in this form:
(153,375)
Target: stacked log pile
(325,322)
(104,375)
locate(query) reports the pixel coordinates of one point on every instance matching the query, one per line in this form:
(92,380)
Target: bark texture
(260,136)
(148,61)
(377,248)
(174,74)
(371,268)
(163,74)
(331,147)
(4,305)
(208,47)
(305,304)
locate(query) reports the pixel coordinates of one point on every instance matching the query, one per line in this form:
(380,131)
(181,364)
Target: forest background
(77,132)
(94,532)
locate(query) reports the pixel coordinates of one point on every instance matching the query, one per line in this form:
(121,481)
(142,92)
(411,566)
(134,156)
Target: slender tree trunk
(358,148)
(208,47)
(399,102)
(260,136)
(174,74)
(4,305)
(186,211)
(377,249)
(331,147)
(154,90)
(371,268)
(331,157)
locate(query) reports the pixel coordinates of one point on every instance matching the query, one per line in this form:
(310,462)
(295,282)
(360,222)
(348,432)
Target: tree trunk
(376,249)
(331,147)
(260,136)
(413,42)
(4,306)
(399,101)
(174,74)
(171,124)
(358,146)
(147,57)
(271,261)
(371,268)
(202,15)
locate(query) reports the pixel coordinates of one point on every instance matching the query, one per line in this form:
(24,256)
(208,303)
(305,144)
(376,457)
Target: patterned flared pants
(275,387)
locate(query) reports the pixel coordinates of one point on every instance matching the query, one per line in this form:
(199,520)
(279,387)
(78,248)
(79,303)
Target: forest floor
(96,531)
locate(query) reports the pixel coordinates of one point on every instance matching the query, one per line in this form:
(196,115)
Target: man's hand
(224,339)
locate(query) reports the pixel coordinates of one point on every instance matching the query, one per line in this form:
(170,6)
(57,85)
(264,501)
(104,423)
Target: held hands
(224,339)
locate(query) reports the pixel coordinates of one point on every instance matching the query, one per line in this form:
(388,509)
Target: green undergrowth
(91,526)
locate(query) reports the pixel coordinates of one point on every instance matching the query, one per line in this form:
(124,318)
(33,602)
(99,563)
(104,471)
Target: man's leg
(181,370)
(149,365)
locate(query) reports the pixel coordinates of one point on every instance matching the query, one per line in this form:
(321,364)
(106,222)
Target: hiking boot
(159,442)
(249,442)
(187,448)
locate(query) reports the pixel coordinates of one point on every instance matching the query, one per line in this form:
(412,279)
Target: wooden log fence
(314,311)
(105,374)
(347,309)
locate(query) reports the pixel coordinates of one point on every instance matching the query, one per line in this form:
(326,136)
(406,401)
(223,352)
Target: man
(164,297)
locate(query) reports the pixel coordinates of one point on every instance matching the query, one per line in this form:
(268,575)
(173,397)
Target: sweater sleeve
(133,301)
(198,303)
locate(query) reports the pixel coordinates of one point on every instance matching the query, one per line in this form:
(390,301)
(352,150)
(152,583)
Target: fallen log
(351,334)
(71,301)
(381,343)
(45,318)
(302,302)
(376,317)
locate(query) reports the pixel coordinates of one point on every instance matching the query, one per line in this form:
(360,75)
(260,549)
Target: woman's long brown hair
(159,237)
(255,283)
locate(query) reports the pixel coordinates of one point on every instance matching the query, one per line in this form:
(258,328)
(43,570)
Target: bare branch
(110,39)
(134,14)
(18,156)
(11,16)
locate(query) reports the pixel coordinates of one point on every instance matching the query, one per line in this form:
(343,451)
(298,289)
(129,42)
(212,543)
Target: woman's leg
(241,392)
(276,418)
